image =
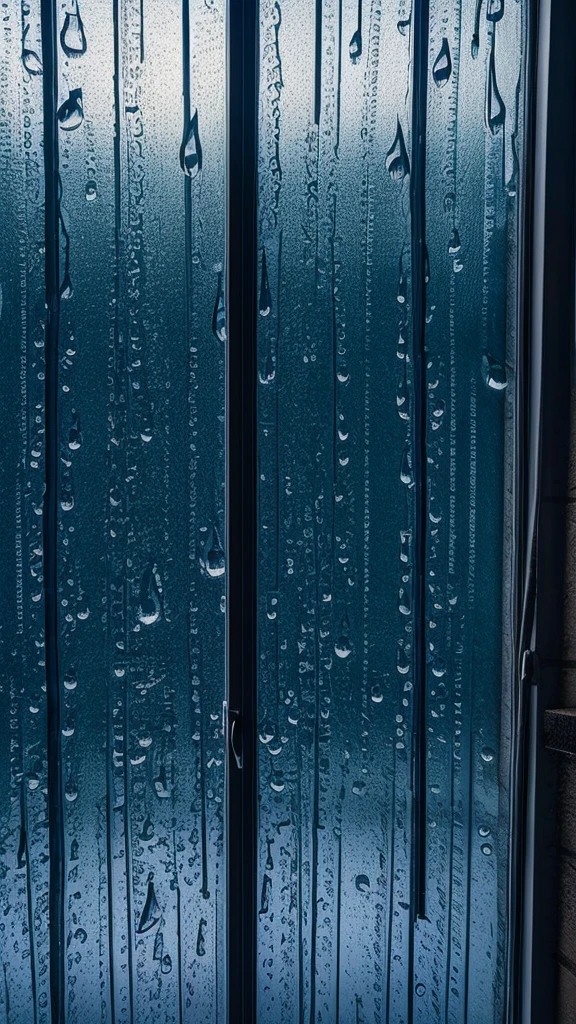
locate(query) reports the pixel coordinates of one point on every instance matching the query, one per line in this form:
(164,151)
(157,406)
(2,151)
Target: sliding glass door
(376,474)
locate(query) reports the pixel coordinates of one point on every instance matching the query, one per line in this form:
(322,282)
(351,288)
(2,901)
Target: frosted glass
(141,565)
(339,937)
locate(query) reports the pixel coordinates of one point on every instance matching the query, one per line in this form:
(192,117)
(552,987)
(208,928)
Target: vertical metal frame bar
(241,271)
(552,355)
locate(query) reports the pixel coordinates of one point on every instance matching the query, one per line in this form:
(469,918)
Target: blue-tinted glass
(340,461)
(24,958)
(141,571)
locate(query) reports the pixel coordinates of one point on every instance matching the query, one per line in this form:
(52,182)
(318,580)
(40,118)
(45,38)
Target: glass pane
(24,994)
(141,128)
(339,938)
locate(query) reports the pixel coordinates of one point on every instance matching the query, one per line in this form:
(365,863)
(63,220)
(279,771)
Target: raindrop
(495,10)
(150,601)
(71,791)
(342,646)
(454,244)
(66,289)
(403,26)
(166,966)
(406,475)
(158,951)
(267,375)
(191,149)
(442,68)
(151,913)
(486,849)
(438,667)
(269,859)
(70,679)
(487,754)
(405,545)
(219,314)
(402,662)
(355,47)
(30,58)
(420,989)
(265,895)
(484,831)
(161,785)
(495,109)
(265,299)
(21,855)
(359,788)
(91,191)
(397,162)
(494,373)
(72,37)
(212,561)
(147,831)
(201,938)
(401,294)
(475,46)
(74,849)
(71,112)
(377,695)
(362,883)
(75,434)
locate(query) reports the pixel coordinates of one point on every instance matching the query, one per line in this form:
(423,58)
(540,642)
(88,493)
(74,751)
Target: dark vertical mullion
(241,275)
(50,512)
(420,27)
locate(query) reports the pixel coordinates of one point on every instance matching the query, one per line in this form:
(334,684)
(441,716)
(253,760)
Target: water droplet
(70,679)
(267,375)
(166,966)
(402,286)
(219,314)
(201,938)
(438,667)
(265,895)
(191,149)
(33,781)
(71,112)
(484,831)
(342,646)
(487,754)
(74,850)
(66,288)
(68,728)
(22,846)
(71,791)
(405,545)
(377,695)
(442,68)
(420,989)
(80,935)
(362,883)
(151,913)
(486,849)
(265,299)
(404,601)
(212,561)
(30,58)
(161,784)
(359,788)
(454,245)
(75,434)
(495,10)
(403,26)
(72,36)
(475,46)
(269,859)
(406,474)
(397,162)
(91,191)
(494,373)
(402,662)
(150,600)
(158,951)
(355,47)
(495,109)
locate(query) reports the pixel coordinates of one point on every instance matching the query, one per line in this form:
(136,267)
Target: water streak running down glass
(141,586)
(340,463)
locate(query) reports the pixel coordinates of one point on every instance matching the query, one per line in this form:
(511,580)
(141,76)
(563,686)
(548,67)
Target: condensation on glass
(141,564)
(339,939)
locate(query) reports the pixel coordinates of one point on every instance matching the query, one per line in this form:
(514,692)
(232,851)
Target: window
(262,299)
